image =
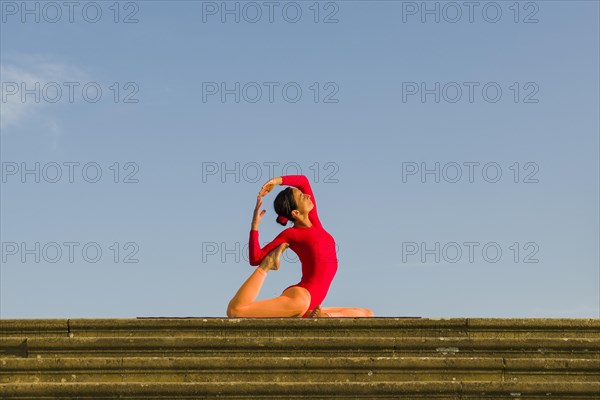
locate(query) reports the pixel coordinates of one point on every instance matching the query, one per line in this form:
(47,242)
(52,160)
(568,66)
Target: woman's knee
(233,309)
(231,312)
(367,312)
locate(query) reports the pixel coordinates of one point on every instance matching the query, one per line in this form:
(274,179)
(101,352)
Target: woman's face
(303,201)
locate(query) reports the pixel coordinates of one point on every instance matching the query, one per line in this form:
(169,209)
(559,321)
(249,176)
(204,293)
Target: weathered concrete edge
(65,326)
(98,364)
(312,388)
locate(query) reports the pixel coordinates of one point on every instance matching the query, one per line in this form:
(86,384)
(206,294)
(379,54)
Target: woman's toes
(268,262)
(271,261)
(318,313)
(277,254)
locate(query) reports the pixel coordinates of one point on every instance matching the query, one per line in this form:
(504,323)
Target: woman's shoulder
(288,232)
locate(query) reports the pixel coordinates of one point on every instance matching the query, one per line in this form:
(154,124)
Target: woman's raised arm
(302,183)
(256,254)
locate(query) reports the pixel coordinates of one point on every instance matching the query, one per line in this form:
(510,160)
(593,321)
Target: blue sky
(355,127)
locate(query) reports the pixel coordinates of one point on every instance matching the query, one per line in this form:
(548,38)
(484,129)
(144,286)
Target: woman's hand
(267,187)
(257,214)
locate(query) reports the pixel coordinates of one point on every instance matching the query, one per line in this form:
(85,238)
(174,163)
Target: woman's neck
(302,223)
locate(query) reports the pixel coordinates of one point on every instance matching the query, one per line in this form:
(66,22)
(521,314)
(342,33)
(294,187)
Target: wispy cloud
(53,130)
(27,70)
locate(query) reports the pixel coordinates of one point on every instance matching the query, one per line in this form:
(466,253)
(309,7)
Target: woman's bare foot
(271,261)
(318,313)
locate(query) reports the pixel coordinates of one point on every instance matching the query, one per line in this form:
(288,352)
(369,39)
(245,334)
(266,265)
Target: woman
(315,248)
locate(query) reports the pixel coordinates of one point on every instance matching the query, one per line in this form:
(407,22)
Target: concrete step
(321,358)
(299,346)
(296,369)
(297,327)
(340,390)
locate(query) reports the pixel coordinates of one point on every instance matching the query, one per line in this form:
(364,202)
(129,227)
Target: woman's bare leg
(293,303)
(343,312)
(250,289)
(282,306)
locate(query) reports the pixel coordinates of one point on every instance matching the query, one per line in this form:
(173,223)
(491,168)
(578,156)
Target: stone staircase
(299,358)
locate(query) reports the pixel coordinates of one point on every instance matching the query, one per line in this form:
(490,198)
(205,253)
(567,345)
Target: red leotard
(315,248)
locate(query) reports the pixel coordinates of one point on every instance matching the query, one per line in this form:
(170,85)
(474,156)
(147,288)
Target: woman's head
(291,203)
